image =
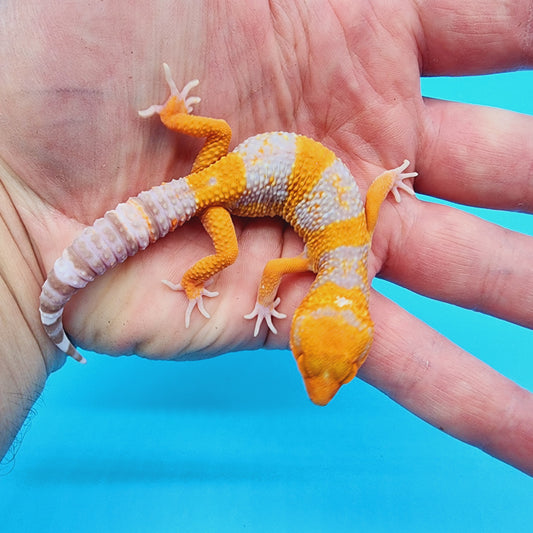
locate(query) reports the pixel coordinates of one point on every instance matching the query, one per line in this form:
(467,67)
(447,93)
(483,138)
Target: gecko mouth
(321,389)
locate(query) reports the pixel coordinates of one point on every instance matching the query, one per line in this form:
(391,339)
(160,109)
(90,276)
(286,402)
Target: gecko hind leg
(176,115)
(182,96)
(193,302)
(218,224)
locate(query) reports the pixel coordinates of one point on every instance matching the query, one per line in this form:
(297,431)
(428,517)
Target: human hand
(347,75)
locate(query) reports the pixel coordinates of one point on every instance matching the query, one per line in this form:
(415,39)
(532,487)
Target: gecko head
(329,348)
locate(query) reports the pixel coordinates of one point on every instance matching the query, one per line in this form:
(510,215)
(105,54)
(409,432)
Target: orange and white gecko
(271,174)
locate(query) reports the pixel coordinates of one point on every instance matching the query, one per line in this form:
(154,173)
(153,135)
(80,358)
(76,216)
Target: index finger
(447,387)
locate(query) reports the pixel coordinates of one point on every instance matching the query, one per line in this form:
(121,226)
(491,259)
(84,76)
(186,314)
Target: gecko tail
(53,325)
(119,234)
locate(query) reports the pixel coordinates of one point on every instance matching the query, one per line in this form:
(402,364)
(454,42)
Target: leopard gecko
(270,174)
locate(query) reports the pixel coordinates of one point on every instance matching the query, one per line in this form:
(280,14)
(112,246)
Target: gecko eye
(329,351)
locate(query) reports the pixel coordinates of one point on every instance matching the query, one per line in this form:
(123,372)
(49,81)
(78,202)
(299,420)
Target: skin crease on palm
(346,73)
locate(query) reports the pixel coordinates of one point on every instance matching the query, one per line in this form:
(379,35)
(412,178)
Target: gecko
(270,174)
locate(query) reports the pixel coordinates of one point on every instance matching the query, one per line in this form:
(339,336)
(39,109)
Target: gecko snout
(329,350)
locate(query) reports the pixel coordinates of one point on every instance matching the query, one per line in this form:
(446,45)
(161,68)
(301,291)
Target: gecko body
(270,174)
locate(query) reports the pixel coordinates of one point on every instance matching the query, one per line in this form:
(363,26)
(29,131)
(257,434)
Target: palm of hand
(92,151)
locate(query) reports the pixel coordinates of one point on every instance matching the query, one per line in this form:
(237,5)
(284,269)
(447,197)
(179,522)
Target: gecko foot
(193,302)
(399,176)
(263,312)
(183,96)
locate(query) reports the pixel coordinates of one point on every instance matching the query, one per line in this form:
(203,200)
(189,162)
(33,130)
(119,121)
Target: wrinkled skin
(346,73)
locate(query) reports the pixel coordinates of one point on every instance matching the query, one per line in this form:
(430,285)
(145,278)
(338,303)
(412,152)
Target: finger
(475,36)
(477,156)
(450,255)
(447,387)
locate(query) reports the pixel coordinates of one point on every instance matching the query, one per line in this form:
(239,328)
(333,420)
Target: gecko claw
(263,312)
(193,302)
(182,96)
(400,175)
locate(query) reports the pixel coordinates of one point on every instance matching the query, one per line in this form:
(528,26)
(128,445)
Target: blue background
(233,444)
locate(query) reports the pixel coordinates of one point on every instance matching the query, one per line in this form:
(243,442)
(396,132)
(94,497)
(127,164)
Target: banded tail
(119,234)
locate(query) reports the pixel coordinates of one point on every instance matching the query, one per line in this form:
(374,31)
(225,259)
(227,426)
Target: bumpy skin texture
(270,174)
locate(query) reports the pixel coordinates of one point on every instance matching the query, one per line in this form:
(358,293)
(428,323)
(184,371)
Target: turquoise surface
(233,444)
